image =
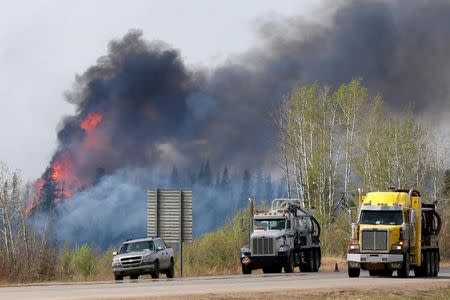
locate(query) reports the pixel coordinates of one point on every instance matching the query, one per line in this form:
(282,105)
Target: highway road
(215,285)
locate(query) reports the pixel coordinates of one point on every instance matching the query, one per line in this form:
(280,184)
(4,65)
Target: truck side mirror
(114,253)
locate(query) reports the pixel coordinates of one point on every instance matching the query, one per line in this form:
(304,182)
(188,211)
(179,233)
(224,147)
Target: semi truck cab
(388,235)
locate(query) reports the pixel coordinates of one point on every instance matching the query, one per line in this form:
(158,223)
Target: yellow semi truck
(395,231)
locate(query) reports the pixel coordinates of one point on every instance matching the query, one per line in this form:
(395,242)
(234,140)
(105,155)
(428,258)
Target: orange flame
(93,140)
(91,122)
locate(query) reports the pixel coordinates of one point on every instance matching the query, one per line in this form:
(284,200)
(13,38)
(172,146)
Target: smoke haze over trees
(145,119)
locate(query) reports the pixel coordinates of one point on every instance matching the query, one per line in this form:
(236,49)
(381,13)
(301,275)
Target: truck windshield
(270,224)
(375,217)
(137,246)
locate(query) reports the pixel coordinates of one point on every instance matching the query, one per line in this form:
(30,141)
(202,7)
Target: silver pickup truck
(143,256)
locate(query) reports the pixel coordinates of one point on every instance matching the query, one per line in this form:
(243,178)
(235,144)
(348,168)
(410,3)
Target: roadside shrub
(82,261)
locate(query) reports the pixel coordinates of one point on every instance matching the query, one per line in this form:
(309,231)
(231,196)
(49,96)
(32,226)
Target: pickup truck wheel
(134,277)
(155,273)
(404,271)
(353,272)
(289,266)
(171,271)
(118,277)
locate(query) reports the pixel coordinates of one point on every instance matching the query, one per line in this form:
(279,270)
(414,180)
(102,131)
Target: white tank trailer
(284,237)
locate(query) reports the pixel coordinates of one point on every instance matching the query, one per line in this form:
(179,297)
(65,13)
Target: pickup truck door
(163,255)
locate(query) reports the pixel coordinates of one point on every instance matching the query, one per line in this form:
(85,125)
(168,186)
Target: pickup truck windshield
(375,217)
(270,224)
(137,246)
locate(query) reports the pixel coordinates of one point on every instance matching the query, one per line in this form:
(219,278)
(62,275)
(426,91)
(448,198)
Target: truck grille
(374,240)
(131,261)
(262,246)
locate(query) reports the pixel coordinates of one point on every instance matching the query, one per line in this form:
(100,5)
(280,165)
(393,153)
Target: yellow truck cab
(395,231)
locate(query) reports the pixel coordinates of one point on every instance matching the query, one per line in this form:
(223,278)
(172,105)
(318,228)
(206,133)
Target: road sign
(169,216)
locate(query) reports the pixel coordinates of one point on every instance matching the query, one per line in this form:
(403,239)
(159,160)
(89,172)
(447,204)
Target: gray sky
(43,44)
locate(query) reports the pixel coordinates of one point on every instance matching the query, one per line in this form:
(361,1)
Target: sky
(44,44)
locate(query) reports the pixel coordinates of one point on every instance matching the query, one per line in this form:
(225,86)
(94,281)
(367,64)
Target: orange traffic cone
(336,268)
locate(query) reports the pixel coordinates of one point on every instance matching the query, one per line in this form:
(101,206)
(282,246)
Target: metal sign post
(169,216)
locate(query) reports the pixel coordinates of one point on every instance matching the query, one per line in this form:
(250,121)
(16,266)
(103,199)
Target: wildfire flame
(64,169)
(91,122)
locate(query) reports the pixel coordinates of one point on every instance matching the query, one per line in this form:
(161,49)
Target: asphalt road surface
(142,288)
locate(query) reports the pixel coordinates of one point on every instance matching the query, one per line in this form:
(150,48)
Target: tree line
(334,141)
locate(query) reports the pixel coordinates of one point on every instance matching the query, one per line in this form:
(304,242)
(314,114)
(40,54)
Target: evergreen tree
(246,187)
(174,177)
(269,188)
(225,182)
(260,189)
(207,174)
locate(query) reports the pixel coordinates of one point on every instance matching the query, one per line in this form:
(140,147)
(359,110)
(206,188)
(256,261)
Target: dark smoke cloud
(159,113)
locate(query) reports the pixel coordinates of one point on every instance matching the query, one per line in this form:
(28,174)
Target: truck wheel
(118,277)
(438,259)
(404,271)
(353,272)
(427,266)
(246,269)
(155,273)
(433,264)
(171,271)
(289,266)
(316,260)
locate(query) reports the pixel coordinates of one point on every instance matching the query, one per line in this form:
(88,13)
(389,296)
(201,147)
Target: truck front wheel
(289,266)
(404,271)
(353,272)
(246,269)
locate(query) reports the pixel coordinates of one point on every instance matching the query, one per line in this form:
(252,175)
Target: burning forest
(145,119)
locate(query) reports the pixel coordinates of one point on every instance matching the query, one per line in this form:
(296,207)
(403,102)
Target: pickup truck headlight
(148,257)
(353,248)
(116,263)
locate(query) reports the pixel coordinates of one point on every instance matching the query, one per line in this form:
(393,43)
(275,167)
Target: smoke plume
(142,108)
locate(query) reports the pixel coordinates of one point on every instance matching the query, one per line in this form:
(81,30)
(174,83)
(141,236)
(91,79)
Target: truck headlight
(397,247)
(148,257)
(283,248)
(245,250)
(353,248)
(116,263)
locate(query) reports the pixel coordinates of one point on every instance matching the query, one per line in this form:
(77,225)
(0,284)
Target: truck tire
(118,277)
(289,266)
(353,272)
(155,273)
(246,269)
(433,263)
(427,266)
(404,271)
(438,260)
(316,260)
(170,273)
